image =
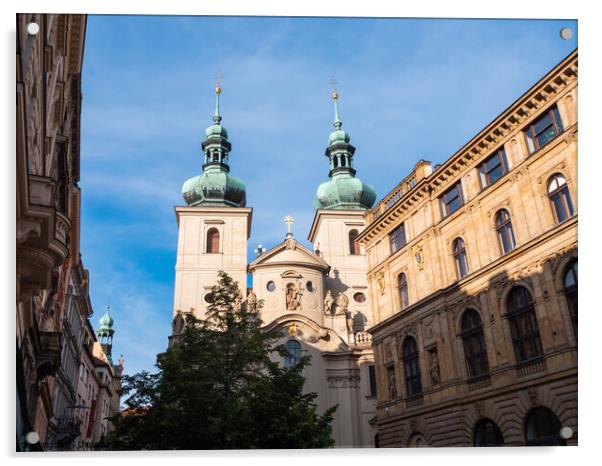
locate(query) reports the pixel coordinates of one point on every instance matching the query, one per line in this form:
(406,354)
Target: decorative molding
(343,381)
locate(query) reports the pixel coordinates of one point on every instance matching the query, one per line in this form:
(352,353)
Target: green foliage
(217,388)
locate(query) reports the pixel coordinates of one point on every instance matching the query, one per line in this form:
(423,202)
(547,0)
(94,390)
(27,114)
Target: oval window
(208,298)
(310,287)
(359,297)
(271,286)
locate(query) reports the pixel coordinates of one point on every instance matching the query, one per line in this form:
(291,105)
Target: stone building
(52,302)
(318,299)
(472,269)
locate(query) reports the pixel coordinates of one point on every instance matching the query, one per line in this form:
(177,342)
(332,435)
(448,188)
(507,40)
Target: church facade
(318,299)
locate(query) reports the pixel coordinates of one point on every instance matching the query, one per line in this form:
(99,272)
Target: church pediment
(290,254)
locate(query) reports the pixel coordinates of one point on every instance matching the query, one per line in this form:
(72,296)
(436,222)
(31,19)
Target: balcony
(49,354)
(531,367)
(363,339)
(414,400)
(479,382)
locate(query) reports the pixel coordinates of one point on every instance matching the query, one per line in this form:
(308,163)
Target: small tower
(341,204)
(105,333)
(213,227)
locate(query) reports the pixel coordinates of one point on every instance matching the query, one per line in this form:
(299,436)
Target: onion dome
(215,186)
(344,191)
(106,322)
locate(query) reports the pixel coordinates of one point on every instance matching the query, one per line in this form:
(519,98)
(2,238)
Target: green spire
(106,322)
(338,135)
(337,118)
(218,90)
(215,186)
(344,191)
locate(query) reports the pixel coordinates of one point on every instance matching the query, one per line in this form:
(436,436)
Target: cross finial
(334,83)
(218,80)
(288,220)
(259,250)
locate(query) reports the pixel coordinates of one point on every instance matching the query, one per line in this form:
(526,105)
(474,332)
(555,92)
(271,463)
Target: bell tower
(340,205)
(213,227)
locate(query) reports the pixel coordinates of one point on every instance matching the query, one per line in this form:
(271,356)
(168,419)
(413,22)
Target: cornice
(562,77)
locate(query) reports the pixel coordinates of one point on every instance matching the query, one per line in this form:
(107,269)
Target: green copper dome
(344,191)
(215,186)
(106,322)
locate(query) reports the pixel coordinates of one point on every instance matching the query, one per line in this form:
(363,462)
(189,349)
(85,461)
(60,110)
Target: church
(319,299)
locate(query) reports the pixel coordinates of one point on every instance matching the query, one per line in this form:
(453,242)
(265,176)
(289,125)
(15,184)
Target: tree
(217,388)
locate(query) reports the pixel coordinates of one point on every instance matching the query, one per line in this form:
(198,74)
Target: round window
(208,298)
(359,297)
(271,286)
(310,287)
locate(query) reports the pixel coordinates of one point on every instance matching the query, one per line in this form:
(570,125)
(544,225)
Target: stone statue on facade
(391,385)
(340,304)
(349,321)
(328,302)
(178,324)
(293,299)
(434,368)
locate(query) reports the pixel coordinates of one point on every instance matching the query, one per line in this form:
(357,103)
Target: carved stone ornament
(293,297)
(293,329)
(419,256)
(343,381)
(328,302)
(341,303)
(380,280)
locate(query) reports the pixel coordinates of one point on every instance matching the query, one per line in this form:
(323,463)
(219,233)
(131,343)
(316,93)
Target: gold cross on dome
(288,220)
(335,94)
(218,80)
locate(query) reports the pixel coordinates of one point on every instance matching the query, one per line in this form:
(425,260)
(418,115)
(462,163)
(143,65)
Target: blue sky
(409,89)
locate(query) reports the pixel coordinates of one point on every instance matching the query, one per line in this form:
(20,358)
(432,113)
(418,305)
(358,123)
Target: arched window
(503,225)
(354,246)
(411,365)
(213,240)
(475,350)
(542,427)
(335,162)
(523,325)
(460,257)
(376,441)
(402,288)
(559,195)
(416,441)
(570,291)
(487,434)
(294,353)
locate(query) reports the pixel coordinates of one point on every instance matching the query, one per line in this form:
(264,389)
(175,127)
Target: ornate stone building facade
(472,268)
(52,303)
(318,299)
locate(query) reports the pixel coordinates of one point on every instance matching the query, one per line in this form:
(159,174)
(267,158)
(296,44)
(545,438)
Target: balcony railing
(479,382)
(414,400)
(533,366)
(363,338)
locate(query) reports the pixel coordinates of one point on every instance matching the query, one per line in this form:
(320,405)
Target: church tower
(105,333)
(213,227)
(340,205)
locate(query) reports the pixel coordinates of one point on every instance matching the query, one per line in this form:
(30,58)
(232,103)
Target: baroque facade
(472,269)
(318,299)
(52,285)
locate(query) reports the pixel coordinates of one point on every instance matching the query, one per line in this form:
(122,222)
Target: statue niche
(293,297)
